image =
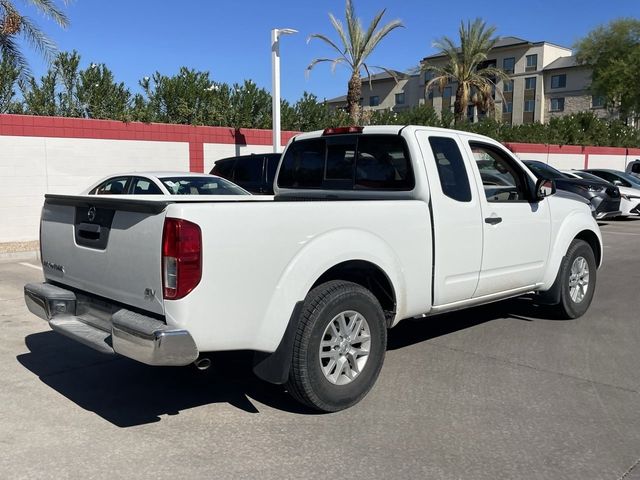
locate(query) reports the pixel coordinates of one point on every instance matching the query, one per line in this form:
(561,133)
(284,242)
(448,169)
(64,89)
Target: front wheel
(339,346)
(576,280)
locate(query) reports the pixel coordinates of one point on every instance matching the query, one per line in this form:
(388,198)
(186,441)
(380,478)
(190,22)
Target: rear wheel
(576,280)
(339,346)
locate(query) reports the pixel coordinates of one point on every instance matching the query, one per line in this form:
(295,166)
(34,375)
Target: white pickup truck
(368,226)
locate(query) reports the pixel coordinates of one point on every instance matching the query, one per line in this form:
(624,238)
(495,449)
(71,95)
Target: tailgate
(106,246)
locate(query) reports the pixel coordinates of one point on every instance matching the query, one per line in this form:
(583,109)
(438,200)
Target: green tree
(465,66)
(356,46)
(613,52)
(15,25)
(9,74)
(68,91)
(100,96)
(186,98)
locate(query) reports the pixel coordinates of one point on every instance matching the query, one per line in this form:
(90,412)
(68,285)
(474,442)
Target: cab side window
(451,170)
(502,179)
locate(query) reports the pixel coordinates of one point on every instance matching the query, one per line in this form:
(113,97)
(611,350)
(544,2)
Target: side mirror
(544,188)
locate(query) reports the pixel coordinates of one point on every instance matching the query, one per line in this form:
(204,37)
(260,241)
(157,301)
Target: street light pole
(275,82)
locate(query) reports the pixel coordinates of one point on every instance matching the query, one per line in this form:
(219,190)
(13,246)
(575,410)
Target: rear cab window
(348,162)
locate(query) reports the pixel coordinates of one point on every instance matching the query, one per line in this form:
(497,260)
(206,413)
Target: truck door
(517,231)
(457,217)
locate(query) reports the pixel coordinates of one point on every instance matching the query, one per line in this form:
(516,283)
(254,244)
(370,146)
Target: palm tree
(356,47)
(14,24)
(465,66)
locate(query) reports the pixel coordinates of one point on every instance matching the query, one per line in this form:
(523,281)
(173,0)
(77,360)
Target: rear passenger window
(113,186)
(144,186)
(451,169)
(348,162)
(272,167)
(223,168)
(249,169)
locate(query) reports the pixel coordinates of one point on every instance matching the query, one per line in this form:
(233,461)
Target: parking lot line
(620,233)
(25,264)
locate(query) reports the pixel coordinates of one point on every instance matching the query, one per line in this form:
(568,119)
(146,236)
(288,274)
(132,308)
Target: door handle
(493,220)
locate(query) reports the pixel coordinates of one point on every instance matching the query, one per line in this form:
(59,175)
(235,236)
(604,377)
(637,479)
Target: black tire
(307,382)
(568,308)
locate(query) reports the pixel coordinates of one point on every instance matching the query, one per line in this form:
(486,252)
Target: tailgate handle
(90,231)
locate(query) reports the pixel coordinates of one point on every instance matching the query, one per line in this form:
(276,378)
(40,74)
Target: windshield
(542,170)
(201,186)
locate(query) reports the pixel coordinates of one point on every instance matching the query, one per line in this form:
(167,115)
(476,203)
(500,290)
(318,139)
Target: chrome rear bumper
(110,330)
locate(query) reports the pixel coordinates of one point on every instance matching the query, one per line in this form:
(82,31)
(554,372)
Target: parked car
(164,183)
(629,196)
(396,224)
(603,197)
(254,172)
(617,177)
(633,168)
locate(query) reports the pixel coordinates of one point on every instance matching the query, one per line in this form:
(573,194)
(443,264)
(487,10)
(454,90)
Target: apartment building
(384,91)
(545,82)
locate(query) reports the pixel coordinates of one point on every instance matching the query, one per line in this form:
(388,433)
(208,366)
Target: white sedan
(164,183)
(629,194)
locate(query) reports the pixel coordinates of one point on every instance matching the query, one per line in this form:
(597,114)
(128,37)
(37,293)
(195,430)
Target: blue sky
(231,39)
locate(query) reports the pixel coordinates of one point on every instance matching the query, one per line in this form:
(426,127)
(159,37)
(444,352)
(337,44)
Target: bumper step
(81,332)
(114,330)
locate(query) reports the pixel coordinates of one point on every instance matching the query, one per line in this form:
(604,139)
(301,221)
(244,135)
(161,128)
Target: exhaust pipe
(202,363)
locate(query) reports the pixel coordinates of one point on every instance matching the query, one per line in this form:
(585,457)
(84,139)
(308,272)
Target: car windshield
(542,170)
(201,186)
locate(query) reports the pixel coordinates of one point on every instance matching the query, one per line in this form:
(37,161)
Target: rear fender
(314,259)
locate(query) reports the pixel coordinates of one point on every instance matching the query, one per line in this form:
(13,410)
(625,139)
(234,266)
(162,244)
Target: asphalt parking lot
(493,392)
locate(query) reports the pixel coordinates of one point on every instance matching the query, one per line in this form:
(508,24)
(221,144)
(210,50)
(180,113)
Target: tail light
(181,258)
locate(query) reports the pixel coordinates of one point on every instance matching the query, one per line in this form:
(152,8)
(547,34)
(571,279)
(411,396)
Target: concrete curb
(6,257)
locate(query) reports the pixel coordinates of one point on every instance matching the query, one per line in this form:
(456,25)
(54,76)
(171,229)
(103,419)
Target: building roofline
(511,45)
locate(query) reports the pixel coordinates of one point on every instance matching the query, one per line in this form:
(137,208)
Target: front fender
(569,228)
(318,255)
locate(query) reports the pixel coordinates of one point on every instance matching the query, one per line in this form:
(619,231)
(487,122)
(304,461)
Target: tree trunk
(353,97)
(460,105)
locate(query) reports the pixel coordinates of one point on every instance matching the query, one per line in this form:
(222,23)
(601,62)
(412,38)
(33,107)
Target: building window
(508,64)
(428,76)
(529,105)
(530,83)
(532,63)
(374,100)
(559,81)
(360,101)
(597,101)
(507,107)
(446,93)
(400,98)
(507,86)
(557,105)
